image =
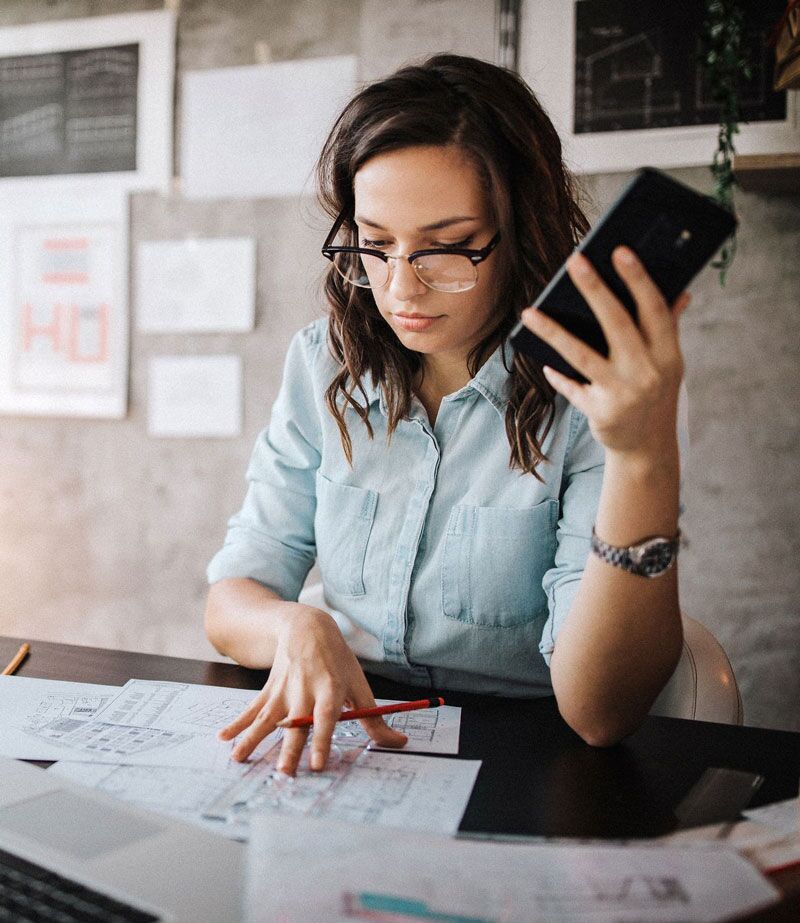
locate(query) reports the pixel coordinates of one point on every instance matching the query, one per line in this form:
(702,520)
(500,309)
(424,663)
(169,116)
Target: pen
(308,720)
(17,659)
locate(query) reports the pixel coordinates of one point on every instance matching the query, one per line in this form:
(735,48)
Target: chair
(703,686)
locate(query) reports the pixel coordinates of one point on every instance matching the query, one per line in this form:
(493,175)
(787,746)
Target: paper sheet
(430,730)
(257,131)
(175,790)
(780,815)
(195,396)
(338,872)
(50,720)
(184,708)
(769,836)
(35,714)
(381,788)
(196,285)
(172,727)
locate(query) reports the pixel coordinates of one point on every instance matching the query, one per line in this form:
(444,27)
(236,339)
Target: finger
(616,323)
(680,304)
(244,720)
(264,723)
(294,740)
(572,390)
(326,714)
(654,315)
(580,356)
(377,729)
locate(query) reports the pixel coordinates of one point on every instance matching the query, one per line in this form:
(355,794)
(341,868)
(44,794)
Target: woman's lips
(415,323)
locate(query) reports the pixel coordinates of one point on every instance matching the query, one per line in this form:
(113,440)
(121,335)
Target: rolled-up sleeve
(579,497)
(271,539)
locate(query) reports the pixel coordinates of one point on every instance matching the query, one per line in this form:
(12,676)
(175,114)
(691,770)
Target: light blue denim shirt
(458,568)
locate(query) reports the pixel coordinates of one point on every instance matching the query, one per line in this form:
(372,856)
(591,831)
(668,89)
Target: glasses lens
(362,270)
(447,272)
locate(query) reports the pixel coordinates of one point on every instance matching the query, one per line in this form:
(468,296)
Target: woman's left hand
(631,399)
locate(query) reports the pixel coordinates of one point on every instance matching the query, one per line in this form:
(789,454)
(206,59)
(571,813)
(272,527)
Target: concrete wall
(105,533)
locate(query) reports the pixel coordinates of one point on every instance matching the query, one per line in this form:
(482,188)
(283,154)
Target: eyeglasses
(451,269)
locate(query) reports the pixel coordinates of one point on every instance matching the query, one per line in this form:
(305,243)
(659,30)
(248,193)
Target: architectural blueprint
(360,786)
(38,713)
(193,709)
(159,723)
(52,720)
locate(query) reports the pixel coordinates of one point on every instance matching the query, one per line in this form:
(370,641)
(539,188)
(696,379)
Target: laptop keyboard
(30,892)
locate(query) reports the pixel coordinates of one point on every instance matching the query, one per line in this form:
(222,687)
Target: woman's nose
(404,284)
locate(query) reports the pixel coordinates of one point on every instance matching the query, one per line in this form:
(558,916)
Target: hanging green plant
(726,63)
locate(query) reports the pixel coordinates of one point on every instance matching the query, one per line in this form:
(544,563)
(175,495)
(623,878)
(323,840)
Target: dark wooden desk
(538,778)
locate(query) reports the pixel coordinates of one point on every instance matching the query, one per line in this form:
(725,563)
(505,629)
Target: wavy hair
(494,118)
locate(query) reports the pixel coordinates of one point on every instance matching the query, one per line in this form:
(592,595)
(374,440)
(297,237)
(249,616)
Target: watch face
(655,557)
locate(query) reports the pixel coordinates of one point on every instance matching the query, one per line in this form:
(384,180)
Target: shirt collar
(492,382)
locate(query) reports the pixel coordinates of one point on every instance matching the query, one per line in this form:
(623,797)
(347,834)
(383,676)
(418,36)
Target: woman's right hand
(314,672)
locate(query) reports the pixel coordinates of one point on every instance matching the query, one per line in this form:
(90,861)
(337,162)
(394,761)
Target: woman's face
(417,198)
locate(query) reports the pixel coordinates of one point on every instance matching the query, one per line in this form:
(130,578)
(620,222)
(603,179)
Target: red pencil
(308,720)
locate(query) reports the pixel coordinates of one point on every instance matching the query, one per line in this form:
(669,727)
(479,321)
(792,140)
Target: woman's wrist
(640,495)
(659,459)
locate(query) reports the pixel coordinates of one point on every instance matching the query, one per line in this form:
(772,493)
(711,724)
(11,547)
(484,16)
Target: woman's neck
(437,378)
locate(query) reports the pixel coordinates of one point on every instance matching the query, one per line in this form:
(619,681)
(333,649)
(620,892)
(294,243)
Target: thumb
(378,730)
(382,734)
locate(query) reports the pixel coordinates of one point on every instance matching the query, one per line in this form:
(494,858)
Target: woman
(447,486)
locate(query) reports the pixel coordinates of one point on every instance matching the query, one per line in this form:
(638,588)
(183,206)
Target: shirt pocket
(342,526)
(493,563)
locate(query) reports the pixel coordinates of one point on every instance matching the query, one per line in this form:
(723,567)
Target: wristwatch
(648,558)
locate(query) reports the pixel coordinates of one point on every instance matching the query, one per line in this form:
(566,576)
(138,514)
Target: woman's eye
(374,244)
(458,245)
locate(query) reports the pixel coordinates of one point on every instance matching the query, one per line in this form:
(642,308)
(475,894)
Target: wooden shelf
(769,173)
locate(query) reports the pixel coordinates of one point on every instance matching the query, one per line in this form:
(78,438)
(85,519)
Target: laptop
(71,853)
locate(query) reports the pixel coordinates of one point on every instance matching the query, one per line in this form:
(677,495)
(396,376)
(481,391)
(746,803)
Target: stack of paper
(154,743)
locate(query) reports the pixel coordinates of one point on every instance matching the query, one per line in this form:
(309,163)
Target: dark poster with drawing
(69,111)
(637,65)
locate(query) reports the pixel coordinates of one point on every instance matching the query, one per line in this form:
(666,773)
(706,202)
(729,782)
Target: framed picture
(64,302)
(623,85)
(87,98)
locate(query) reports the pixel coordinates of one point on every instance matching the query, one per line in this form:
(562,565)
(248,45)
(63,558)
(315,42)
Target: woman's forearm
(243,619)
(622,638)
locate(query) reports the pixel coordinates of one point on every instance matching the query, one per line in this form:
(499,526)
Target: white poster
(195,396)
(63,303)
(196,285)
(257,131)
(88,98)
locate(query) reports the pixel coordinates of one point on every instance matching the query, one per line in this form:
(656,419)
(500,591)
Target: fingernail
(579,264)
(624,255)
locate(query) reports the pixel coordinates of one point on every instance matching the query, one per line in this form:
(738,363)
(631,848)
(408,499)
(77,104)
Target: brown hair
(494,118)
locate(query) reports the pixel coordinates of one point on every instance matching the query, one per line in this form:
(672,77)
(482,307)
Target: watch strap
(649,557)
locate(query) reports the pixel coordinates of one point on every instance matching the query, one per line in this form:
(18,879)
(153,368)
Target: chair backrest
(703,686)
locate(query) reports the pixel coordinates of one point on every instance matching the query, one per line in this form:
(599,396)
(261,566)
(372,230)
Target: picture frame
(61,129)
(547,49)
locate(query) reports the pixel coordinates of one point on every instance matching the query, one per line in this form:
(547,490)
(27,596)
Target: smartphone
(672,229)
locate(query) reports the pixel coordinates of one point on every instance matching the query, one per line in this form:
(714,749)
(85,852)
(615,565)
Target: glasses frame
(474,256)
